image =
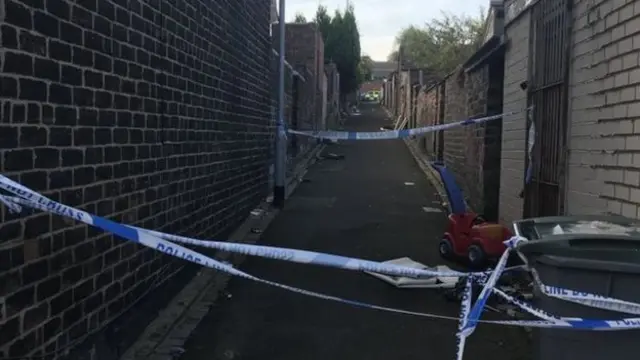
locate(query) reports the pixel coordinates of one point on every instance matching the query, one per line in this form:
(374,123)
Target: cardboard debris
(435,282)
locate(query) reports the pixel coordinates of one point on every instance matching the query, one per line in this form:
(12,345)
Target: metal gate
(548,84)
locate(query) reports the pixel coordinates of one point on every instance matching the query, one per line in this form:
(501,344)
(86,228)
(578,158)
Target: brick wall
(454,139)
(405,101)
(294,115)
(138,113)
(472,175)
(288,87)
(306,120)
(395,90)
(472,153)
(324,101)
(604,137)
(410,81)
(493,138)
(320,76)
(333,96)
(424,117)
(513,153)
(304,47)
(429,113)
(483,142)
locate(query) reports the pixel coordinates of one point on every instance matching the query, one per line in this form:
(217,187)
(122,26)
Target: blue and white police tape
(12,206)
(579,297)
(397,134)
(568,322)
(476,310)
(355,264)
(287,254)
(586,298)
(465,306)
(145,238)
(482,280)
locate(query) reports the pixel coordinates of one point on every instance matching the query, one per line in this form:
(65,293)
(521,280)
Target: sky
(379,21)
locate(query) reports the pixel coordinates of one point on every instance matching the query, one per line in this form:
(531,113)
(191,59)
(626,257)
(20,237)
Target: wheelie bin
(592,254)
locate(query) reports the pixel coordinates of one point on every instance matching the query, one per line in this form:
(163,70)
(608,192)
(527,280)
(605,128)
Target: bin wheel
(476,256)
(445,248)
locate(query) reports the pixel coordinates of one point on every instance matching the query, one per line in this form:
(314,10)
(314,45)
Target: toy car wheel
(445,248)
(476,256)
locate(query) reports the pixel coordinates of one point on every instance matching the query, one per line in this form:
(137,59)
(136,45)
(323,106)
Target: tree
(323,21)
(341,44)
(442,44)
(300,19)
(350,50)
(365,68)
(393,56)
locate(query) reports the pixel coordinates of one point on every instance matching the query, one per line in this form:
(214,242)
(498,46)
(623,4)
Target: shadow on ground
(359,206)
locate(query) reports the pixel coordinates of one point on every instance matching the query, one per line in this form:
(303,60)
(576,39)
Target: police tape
(356,264)
(146,238)
(397,134)
(291,255)
(578,297)
(465,306)
(481,301)
(586,298)
(12,206)
(308,257)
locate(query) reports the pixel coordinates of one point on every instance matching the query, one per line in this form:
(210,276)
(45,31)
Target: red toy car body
(468,235)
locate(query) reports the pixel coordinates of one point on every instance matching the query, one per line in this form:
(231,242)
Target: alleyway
(359,206)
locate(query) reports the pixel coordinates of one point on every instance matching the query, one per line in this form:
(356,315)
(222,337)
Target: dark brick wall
(288,95)
(454,139)
(137,111)
(304,48)
(333,96)
(474,152)
(493,139)
(472,177)
(429,113)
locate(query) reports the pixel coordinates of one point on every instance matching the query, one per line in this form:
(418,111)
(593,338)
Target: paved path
(359,206)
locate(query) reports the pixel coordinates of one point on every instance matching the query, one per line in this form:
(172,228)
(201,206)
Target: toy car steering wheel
(479,219)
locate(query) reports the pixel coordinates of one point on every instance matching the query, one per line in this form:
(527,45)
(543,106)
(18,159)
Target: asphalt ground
(368,205)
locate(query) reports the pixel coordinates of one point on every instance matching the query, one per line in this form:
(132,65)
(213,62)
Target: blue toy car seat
(454,193)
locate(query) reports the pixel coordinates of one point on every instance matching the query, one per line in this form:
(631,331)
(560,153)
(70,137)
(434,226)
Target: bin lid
(544,227)
(588,239)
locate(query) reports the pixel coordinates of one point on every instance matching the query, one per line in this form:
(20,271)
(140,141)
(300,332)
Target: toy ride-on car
(468,235)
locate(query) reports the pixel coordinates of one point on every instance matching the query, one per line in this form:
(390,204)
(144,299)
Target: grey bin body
(598,263)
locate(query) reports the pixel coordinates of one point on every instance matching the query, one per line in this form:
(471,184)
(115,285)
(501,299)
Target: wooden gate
(547,87)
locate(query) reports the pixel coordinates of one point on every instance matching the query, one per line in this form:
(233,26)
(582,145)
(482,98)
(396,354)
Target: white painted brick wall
(604,135)
(514,127)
